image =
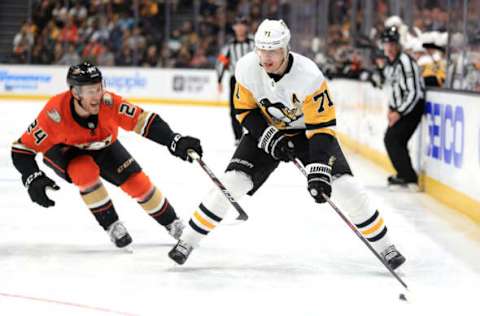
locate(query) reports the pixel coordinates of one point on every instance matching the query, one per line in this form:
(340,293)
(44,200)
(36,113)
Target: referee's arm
(223,61)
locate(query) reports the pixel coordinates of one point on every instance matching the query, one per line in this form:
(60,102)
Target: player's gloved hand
(277,144)
(319,181)
(181,145)
(37,183)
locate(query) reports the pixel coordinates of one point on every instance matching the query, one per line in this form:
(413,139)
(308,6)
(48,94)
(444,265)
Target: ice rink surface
(292,257)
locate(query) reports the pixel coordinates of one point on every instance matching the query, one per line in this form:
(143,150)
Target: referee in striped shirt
(406,106)
(242,44)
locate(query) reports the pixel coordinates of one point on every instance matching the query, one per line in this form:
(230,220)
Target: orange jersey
(56,124)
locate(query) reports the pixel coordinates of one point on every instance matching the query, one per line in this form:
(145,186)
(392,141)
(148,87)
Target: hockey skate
(180,252)
(119,235)
(393,257)
(175,228)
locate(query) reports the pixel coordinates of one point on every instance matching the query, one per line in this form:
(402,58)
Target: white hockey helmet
(272,34)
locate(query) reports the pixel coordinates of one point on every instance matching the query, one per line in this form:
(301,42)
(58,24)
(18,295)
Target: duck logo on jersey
(280,113)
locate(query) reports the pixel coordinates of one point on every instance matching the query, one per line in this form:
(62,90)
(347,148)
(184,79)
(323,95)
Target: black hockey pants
(396,140)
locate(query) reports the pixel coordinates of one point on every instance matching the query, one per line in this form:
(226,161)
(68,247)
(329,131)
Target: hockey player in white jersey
(282,100)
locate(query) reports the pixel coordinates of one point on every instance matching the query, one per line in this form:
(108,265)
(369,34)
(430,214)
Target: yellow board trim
(157,101)
(452,198)
(372,154)
(438,190)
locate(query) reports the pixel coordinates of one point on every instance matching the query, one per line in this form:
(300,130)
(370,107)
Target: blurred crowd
(139,33)
(130,32)
(427,41)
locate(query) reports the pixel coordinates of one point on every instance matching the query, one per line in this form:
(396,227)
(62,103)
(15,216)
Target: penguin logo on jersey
(280,113)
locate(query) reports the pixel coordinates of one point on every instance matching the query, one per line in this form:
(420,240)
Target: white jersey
(299,100)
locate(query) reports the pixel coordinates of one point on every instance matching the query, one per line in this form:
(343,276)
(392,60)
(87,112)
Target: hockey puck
(402,297)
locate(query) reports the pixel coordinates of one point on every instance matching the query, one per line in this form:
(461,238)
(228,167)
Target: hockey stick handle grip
(193,154)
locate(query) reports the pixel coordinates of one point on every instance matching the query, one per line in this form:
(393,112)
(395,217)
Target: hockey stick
(242,216)
(353,228)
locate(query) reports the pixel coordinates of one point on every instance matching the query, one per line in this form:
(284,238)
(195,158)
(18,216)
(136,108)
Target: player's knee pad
(83,171)
(352,198)
(137,185)
(238,184)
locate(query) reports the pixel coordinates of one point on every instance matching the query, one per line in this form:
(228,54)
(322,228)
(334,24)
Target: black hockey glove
(180,146)
(37,183)
(319,181)
(276,144)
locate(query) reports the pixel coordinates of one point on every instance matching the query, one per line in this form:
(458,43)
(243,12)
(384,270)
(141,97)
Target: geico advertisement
(128,82)
(452,140)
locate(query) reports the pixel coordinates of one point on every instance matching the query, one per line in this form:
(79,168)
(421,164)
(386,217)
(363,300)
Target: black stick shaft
(242,215)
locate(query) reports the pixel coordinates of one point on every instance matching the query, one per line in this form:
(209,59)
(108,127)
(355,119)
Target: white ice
(292,257)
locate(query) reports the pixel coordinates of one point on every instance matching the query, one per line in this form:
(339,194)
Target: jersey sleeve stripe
(22,148)
(142,119)
(23,152)
(146,129)
(329,131)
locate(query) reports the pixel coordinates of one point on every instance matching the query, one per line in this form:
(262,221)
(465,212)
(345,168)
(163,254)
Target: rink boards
(445,150)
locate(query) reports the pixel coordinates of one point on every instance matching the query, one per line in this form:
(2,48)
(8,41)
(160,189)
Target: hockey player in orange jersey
(283,102)
(77,134)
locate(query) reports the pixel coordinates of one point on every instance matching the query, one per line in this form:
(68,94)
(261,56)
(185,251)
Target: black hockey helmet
(390,34)
(83,74)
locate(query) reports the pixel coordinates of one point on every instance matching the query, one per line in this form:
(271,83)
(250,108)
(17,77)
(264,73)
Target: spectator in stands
(70,57)
(40,55)
(78,12)
(57,52)
(199,59)
(166,58)
(106,57)
(92,50)
(69,32)
(433,63)
(183,58)
(23,42)
(124,56)
(150,59)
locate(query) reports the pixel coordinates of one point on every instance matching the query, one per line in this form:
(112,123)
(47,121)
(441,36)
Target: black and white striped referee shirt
(231,53)
(406,83)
